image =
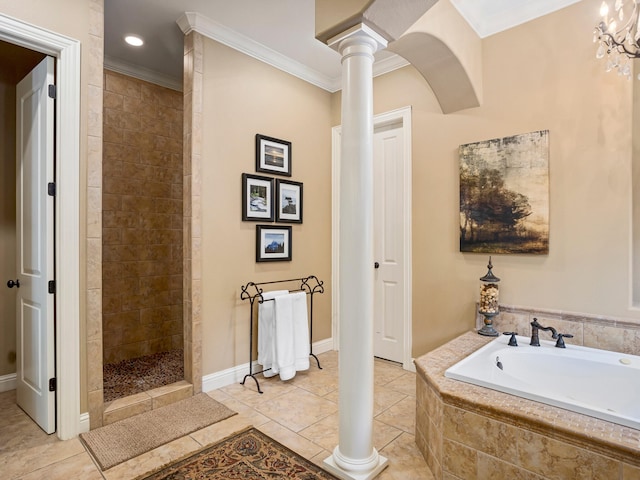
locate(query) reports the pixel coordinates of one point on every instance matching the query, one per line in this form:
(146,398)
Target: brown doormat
(247,455)
(128,438)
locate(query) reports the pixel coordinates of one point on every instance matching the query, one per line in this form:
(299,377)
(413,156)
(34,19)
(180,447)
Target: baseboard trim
(323,346)
(7,382)
(84,425)
(411,366)
(235,374)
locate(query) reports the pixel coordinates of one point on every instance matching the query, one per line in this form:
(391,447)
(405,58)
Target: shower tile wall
(141,219)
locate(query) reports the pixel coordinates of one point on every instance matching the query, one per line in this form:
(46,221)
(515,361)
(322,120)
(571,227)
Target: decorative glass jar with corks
(489,296)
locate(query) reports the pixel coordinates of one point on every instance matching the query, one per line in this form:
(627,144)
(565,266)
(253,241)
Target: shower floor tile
(140,374)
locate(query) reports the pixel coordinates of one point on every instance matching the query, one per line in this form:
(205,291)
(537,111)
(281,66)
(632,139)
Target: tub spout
(535,326)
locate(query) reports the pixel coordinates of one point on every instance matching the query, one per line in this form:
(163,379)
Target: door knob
(376,265)
(12,284)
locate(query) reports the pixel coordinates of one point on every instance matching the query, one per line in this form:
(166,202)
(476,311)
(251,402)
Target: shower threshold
(145,401)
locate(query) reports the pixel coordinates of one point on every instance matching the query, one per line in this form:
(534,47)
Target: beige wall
(7,223)
(84,21)
(542,75)
(243,97)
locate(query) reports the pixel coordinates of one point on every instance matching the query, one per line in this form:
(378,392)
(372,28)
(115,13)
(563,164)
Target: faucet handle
(560,341)
(512,341)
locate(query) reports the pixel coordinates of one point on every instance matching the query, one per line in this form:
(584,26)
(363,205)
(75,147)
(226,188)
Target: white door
(388,247)
(392,244)
(34,259)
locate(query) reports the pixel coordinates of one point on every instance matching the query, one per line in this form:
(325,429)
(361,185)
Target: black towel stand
(252,292)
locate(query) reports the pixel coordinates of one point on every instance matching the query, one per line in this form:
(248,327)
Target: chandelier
(617,35)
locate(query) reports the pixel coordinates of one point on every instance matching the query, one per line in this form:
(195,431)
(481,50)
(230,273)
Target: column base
(331,466)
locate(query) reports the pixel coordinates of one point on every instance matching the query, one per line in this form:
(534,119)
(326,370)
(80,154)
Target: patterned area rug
(247,455)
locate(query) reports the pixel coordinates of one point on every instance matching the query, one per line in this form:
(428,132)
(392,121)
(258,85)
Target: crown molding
(141,73)
(388,64)
(195,22)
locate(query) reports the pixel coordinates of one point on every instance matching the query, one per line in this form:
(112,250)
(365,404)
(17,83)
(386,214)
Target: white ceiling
(488,17)
(282,29)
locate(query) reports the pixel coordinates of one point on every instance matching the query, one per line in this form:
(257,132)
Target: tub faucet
(535,326)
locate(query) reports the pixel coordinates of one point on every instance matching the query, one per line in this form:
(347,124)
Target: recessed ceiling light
(134,40)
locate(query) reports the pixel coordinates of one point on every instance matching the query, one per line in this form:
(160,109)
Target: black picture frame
(257,198)
(288,201)
(273,155)
(273,243)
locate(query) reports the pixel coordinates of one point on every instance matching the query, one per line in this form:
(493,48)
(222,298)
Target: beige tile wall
(142,218)
(617,335)
(93,248)
(192,234)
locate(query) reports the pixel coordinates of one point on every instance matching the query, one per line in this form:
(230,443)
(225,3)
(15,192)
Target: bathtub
(598,383)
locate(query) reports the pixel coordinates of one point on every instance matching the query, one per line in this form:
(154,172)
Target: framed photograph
(257,197)
(288,201)
(273,155)
(273,243)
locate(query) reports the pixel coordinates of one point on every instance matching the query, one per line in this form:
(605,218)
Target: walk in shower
(142,228)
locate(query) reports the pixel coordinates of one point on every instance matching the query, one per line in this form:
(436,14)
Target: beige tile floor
(301,414)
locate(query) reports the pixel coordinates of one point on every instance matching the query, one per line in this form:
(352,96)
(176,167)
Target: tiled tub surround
(470,432)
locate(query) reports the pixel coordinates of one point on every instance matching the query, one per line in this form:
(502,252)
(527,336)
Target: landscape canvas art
(504,195)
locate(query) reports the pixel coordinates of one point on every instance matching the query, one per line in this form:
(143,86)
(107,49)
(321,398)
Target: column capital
(361,34)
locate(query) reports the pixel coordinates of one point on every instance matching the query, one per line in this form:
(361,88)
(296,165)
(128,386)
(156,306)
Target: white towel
(291,335)
(301,331)
(266,331)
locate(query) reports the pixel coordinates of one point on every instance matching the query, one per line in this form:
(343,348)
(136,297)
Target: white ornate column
(355,457)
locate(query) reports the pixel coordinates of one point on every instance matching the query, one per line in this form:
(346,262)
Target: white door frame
(66,51)
(403,116)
